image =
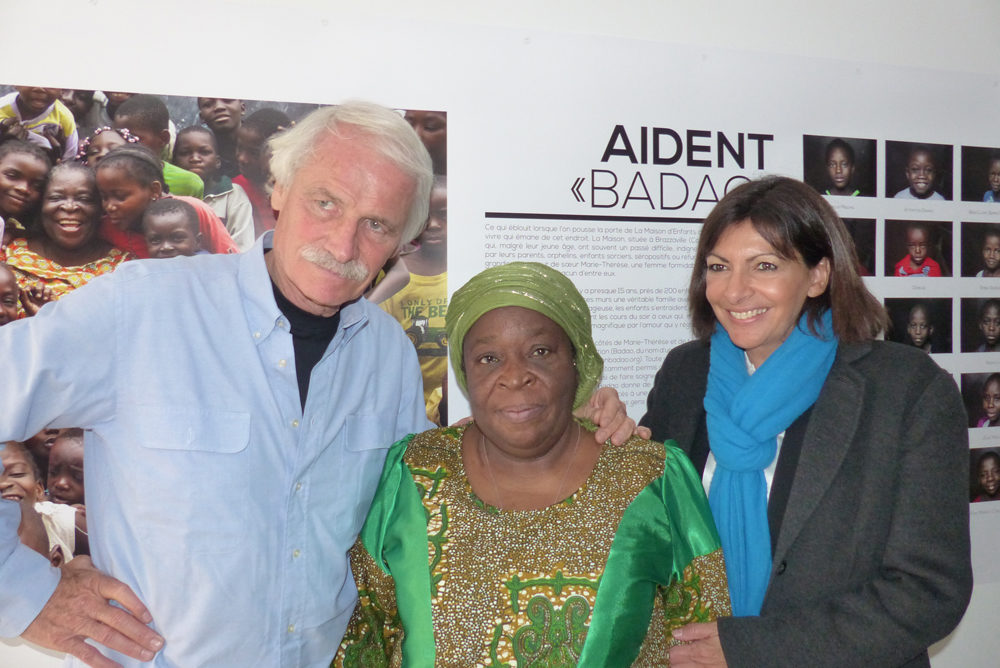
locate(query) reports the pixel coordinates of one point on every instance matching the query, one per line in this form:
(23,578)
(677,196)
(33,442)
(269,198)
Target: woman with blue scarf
(835,464)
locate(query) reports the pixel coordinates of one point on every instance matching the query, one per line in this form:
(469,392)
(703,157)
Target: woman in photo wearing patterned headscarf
(519,539)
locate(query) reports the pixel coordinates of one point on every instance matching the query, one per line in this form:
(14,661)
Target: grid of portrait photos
(925,219)
(209,154)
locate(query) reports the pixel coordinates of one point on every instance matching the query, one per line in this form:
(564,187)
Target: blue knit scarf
(745,414)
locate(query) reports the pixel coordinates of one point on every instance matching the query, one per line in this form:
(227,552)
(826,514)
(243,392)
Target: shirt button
(291,628)
(782,566)
(298,486)
(295,424)
(281,324)
(256,335)
(282,363)
(295,554)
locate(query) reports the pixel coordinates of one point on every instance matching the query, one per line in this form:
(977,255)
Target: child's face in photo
(840,168)
(8,296)
(33,101)
(919,327)
(989,325)
(77,101)
(991,252)
(170,234)
(196,153)
(920,173)
(22,177)
(916,244)
(123,197)
(994,176)
(41,444)
(18,479)
(65,479)
(436,231)
(252,156)
(221,114)
(152,138)
(989,475)
(101,145)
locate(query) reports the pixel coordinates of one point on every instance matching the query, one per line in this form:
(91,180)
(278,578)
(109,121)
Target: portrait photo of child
(980,174)
(839,166)
(918,171)
(981,395)
(980,323)
(921,323)
(980,249)
(984,475)
(917,249)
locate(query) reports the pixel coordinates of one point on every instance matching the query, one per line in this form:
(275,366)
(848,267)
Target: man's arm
(607,411)
(63,360)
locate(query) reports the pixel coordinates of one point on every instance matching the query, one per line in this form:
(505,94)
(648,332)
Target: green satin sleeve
(665,528)
(395,535)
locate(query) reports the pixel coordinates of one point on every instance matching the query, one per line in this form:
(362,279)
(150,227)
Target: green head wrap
(532,286)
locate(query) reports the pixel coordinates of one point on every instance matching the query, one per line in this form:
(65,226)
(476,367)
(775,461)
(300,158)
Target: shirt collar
(263,314)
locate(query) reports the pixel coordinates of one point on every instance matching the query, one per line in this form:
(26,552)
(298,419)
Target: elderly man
(238,412)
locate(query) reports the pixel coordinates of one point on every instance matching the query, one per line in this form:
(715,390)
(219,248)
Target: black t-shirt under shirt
(311,334)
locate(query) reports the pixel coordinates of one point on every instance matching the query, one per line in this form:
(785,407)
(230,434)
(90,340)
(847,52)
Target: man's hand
(607,411)
(80,608)
(702,647)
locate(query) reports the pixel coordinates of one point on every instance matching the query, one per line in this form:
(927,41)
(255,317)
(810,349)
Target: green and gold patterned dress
(598,579)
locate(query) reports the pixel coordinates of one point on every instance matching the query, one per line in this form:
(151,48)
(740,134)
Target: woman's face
(70,208)
(757,295)
(989,475)
(521,379)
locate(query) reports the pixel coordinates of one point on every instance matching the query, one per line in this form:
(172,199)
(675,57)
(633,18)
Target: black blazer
(871,559)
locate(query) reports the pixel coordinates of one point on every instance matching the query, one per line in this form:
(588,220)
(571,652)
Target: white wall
(382,50)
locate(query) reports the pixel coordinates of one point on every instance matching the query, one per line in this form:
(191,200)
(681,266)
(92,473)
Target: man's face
(221,114)
(341,218)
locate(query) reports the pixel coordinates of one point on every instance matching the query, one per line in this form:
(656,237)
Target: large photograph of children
(839,166)
(91,179)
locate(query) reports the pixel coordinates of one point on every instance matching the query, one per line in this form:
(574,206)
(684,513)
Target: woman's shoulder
(894,369)
(435,448)
(876,357)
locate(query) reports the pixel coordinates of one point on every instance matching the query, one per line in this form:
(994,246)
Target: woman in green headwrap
(519,539)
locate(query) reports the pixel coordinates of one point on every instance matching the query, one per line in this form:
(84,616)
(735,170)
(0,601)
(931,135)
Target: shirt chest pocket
(367,441)
(192,477)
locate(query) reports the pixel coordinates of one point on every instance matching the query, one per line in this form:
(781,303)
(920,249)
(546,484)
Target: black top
(311,334)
